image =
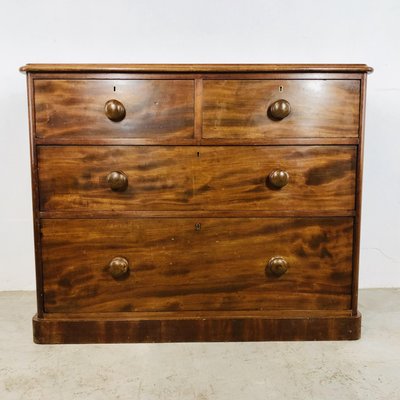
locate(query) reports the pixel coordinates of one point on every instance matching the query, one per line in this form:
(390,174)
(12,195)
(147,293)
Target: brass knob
(117,181)
(118,267)
(114,110)
(279,109)
(278,178)
(277,266)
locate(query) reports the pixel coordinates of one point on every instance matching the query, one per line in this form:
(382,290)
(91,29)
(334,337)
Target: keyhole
(281,88)
(114,88)
(197,226)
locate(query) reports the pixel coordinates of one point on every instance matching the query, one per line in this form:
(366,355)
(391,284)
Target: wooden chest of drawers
(196,202)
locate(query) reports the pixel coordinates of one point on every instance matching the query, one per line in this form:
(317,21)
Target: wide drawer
(197,264)
(240,109)
(159,109)
(197,178)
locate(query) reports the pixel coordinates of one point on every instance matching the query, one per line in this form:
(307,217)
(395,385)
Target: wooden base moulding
(218,328)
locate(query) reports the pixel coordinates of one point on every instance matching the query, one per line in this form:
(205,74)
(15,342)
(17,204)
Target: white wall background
(207,31)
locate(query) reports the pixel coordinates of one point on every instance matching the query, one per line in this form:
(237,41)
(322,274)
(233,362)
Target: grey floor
(364,369)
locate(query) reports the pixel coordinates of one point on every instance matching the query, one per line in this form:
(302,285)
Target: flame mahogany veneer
(196,202)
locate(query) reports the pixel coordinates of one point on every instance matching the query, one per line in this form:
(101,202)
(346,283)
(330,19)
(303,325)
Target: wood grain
(75,108)
(320,108)
(151,315)
(220,328)
(74,75)
(357,220)
(185,68)
(196,214)
(197,178)
(197,145)
(157,141)
(175,266)
(35,200)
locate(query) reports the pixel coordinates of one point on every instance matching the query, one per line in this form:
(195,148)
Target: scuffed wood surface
(75,108)
(197,178)
(176,267)
(319,108)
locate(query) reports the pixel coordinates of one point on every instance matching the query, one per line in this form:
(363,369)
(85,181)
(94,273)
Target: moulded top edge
(193,68)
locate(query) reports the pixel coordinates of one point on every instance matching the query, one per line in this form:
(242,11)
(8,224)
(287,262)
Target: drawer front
(197,264)
(76,108)
(240,109)
(197,178)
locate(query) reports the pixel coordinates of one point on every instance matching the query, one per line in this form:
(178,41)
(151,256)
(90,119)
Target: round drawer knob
(118,267)
(279,109)
(278,178)
(277,266)
(117,181)
(115,110)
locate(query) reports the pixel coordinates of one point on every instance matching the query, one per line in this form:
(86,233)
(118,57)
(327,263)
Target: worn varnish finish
(319,108)
(197,178)
(197,264)
(190,68)
(181,328)
(75,108)
(198,221)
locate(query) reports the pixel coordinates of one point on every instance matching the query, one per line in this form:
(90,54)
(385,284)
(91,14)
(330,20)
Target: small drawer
(259,109)
(71,109)
(123,178)
(128,265)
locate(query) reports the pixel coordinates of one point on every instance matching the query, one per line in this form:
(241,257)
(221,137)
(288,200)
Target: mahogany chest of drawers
(196,202)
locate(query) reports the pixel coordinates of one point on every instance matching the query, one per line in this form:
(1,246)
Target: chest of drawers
(196,202)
